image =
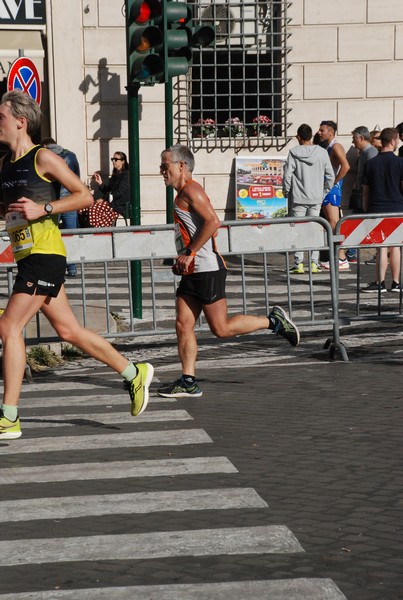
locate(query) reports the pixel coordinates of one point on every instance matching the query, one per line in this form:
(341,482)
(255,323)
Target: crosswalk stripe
(101,400)
(98,419)
(177,437)
(117,470)
(273,589)
(69,385)
(130,504)
(154,544)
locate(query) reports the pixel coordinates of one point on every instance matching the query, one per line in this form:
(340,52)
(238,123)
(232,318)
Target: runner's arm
(198,202)
(328,181)
(54,168)
(2,205)
(340,154)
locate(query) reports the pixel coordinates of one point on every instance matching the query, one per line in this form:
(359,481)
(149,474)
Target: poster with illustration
(259,191)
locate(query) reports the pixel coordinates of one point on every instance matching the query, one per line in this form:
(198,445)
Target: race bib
(19,231)
(180,246)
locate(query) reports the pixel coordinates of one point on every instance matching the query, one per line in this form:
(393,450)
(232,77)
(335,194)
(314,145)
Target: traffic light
(160,38)
(180,36)
(144,41)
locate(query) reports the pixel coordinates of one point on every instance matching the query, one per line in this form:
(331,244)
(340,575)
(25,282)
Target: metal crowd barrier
(258,255)
(364,232)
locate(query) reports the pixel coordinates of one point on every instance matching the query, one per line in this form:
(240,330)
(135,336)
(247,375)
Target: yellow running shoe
(9,430)
(138,388)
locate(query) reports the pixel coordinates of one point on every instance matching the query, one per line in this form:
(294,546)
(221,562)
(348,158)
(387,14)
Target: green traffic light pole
(169,135)
(134,170)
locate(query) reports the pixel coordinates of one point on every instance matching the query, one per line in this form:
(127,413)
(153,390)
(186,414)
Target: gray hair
(22,105)
(182,153)
(363,132)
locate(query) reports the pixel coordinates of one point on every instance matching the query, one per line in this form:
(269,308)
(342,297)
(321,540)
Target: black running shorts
(206,287)
(41,274)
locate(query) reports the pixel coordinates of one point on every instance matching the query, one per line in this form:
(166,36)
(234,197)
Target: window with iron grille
(235,94)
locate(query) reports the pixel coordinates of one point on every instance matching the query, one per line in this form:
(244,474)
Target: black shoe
(395,287)
(374,287)
(371,261)
(178,389)
(282,325)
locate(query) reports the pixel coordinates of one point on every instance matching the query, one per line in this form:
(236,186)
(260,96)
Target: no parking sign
(23,75)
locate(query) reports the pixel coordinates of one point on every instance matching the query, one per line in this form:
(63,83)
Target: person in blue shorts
(332,201)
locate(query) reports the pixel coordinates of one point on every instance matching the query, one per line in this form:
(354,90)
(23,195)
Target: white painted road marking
(70,507)
(273,589)
(98,419)
(154,544)
(117,470)
(176,437)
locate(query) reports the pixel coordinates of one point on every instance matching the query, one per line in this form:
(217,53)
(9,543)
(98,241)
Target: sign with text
(22,12)
(259,188)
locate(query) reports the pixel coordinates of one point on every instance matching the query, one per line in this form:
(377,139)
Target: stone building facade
(345,63)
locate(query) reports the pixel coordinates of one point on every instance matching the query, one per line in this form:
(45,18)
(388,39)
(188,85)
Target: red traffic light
(144,13)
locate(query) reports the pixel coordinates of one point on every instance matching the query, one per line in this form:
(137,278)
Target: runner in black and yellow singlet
(20,178)
(28,175)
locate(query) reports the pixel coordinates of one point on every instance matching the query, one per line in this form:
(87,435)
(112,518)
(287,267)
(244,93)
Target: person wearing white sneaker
(332,200)
(308,177)
(383,193)
(344,265)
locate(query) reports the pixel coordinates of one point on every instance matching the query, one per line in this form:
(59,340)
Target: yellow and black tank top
(20,178)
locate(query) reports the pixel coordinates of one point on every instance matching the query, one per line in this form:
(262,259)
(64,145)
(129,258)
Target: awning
(29,41)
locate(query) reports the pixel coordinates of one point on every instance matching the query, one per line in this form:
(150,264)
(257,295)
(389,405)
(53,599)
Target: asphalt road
(282,482)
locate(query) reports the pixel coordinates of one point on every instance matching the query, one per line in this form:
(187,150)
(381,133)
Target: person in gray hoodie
(308,177)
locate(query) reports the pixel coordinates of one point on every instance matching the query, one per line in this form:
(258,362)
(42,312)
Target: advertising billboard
(259,187)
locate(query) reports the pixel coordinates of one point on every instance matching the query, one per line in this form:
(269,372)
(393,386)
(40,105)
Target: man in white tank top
(203,271)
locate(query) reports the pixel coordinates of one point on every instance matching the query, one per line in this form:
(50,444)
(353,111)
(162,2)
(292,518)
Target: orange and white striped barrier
(382,231)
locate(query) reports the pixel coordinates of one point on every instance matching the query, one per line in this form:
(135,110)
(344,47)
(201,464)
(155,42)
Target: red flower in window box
(262,125)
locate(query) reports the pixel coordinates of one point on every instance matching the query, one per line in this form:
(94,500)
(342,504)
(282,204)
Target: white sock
(10,412)
(130,372)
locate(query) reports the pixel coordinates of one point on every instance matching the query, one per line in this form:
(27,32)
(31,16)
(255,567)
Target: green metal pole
(134,170)
(169,136)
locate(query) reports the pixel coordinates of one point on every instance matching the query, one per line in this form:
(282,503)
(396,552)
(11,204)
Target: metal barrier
(363,232)
(258,258)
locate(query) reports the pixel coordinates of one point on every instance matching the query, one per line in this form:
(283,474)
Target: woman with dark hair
(116,194)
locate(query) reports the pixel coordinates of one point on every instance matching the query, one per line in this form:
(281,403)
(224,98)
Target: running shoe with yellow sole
(9,430)
(138,388)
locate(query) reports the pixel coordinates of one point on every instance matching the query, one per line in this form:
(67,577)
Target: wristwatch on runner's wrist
(189,252)
(48,209)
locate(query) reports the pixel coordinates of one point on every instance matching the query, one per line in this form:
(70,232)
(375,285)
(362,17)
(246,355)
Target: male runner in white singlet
(203,270)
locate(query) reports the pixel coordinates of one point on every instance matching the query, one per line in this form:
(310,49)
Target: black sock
(272,322)
(188,380)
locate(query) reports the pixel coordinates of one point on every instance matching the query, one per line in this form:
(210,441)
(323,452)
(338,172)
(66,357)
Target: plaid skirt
(100,214)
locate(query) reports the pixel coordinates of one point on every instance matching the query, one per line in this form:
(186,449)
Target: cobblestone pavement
(282,482)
